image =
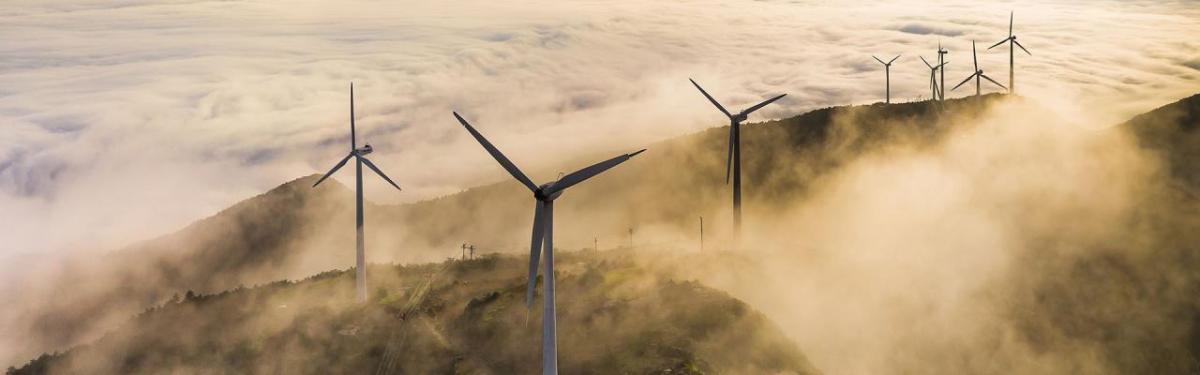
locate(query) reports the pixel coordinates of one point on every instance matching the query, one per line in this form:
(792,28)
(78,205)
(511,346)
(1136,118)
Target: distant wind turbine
(543,235)
(360,157)
(887,72)
(977,75)
(941,61)
(733,160)
(933,83)
(1012,41)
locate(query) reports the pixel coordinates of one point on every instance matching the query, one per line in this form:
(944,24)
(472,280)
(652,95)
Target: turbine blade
(335,168)
(729,156)
(710,98)
(353,137)
(1010,22)
(763,104)
(1022,47)
(535,247)
(877,59)
(893,60)
(586,173)
(507,164)
(926,62)
(974,56)
(378,172)
(992,80)
(999,43)
(964,81)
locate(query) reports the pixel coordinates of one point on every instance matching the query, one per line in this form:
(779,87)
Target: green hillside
(456,317)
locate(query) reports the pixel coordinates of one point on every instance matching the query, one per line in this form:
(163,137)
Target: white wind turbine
(977,75)
(360,157)
(933,82)
(543,235)
(887,71)
(733,160)
(1012,45)
(941,61)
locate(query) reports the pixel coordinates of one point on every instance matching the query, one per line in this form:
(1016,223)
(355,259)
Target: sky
(124,120)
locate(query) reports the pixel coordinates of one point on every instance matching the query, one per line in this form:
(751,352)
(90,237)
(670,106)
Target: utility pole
(702,234)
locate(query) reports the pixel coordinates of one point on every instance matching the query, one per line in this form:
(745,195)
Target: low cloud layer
(130,119)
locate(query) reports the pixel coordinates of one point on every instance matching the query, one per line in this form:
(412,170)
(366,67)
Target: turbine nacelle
(364,150)
(540,192)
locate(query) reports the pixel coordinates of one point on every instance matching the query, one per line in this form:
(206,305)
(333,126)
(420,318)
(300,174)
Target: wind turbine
(933,83)
(1012,41)
(887,71)
(977,75)
(942,52)
(360,157)
(733,161)
(543,235)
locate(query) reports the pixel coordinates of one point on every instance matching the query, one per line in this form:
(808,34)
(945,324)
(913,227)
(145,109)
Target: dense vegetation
(456,317)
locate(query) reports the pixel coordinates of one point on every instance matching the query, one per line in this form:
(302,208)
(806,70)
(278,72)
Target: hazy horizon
(129,120)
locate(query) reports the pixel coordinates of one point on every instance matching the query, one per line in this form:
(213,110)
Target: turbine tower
(887,72)
(933,82)
(1012,41)
(941,54)
(733,160)
(360,157)
(977,75)
(543,235)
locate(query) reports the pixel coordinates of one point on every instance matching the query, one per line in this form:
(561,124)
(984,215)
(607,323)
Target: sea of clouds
(123,120)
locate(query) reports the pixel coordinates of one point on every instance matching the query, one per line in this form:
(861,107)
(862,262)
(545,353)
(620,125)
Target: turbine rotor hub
(540,193)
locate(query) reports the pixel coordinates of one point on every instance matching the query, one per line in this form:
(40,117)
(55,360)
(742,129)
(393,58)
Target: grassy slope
(615,317)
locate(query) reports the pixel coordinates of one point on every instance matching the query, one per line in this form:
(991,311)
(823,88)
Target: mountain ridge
(220,253)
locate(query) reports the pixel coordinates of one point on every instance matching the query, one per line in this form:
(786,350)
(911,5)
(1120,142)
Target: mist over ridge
(981,222)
